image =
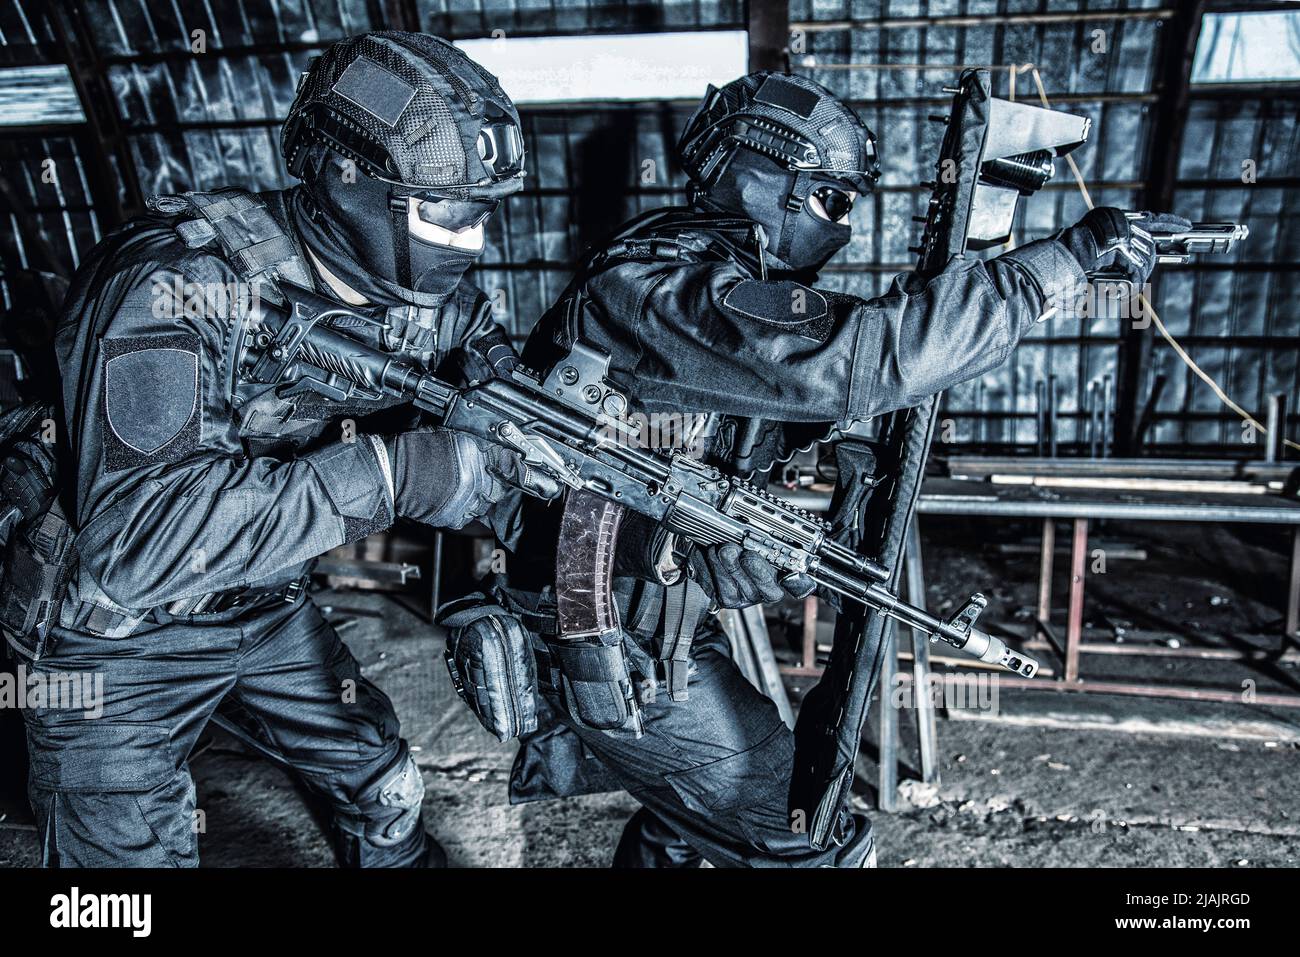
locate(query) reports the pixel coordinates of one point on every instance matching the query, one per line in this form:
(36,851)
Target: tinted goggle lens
(501,148)
(456,214)
(836,202)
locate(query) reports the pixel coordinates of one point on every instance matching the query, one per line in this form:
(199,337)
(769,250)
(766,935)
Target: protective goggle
(501,148)
(837,202)
(455,214)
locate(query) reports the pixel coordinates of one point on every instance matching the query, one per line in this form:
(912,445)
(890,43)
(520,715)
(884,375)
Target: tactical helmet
(798,123)
(437,144)
(786,153)
(411,110)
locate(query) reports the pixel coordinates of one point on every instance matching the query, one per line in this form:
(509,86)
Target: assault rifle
(571,425)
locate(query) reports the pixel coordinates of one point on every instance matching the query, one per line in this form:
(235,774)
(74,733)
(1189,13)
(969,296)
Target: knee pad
(387,811)
(398,796)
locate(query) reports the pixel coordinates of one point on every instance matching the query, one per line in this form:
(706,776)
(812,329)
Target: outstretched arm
(706,336)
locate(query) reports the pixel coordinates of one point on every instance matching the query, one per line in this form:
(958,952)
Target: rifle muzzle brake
(985,647)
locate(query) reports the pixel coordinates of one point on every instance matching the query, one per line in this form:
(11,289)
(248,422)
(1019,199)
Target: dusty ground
(1078,780)
(1049,779)
(1051,797)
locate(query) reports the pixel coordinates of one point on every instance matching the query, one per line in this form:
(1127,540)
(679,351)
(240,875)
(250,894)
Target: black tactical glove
(490,356)
(1106,239)
(26,484)
(446,478)
(645,550)
(736,577)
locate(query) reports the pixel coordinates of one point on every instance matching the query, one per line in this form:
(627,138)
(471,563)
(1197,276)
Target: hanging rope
(1146,303)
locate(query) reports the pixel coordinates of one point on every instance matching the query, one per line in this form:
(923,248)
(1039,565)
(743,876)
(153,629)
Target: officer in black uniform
(197,500)
(710,314)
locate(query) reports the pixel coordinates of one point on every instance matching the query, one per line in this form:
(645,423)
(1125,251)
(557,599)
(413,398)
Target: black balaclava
(348,220)
(777,199)
(760,145)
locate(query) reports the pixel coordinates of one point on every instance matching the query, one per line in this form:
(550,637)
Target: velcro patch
(780,302)
(380,92)
(151,399)
(780,92)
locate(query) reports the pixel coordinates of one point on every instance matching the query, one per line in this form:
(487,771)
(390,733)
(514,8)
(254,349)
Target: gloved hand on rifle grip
(489,356)
(736,577)
(1107,240)
(646,550)
(446,478)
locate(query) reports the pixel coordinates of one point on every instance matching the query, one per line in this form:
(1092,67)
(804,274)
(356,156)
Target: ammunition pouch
(597,680)
(490,658)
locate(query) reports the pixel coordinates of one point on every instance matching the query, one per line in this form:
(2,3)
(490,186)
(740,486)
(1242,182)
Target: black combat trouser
(115,789)
(712,772)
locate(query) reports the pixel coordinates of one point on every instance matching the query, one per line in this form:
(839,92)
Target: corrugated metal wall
(47,215)
(1241,322)
(894,71)
(176,120)
(1237,314)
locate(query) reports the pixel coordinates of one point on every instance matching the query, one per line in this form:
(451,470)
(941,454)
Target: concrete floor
(1021,796)
(1065,780)
(1074,780)
(257,816)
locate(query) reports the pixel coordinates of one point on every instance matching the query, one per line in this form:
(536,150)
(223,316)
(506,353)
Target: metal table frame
(974,499)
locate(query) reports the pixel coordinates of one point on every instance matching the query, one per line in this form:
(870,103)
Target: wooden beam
(769,34)
(1173,86)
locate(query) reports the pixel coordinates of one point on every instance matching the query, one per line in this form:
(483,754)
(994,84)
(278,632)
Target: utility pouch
(490,658)
(33,584)
(34,534)
(597,685)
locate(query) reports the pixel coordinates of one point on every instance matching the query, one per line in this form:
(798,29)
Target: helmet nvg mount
(788,118)
(411,110)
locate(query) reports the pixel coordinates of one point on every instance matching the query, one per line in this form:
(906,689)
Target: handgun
(1202,238)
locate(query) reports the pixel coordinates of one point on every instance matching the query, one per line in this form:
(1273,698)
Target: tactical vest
(250,230)
(38,543)
(261,251)
(252,237)
(743,446)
